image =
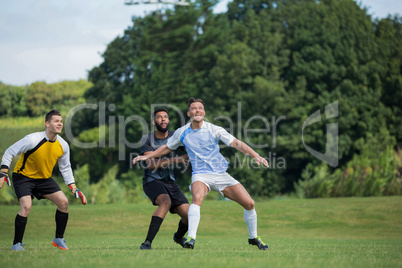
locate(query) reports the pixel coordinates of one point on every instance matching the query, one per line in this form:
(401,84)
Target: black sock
(61,223)
(20,223)
(182,230)
(153,228)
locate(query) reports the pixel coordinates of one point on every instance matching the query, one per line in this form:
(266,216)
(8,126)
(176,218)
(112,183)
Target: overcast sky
(55,40)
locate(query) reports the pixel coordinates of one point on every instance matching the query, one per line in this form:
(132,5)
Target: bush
(363,176)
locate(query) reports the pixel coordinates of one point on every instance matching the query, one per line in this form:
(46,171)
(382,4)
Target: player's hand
(77,193)
(139,158)
(4,178)
(261,160)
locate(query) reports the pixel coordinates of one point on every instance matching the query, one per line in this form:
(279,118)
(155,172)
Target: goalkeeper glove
(4,178)
(77,193)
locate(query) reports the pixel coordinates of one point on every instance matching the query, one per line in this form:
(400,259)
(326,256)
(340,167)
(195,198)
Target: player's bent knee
(163,200)
(198,198)
(63,204)
(250,205)
(166,203)
(25,209)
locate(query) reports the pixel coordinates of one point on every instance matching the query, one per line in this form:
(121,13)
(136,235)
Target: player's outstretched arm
(245,149)
(161,163)
(161,151)
(4,178)
(77,193)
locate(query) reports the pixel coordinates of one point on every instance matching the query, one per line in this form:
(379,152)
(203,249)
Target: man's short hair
(192,100)
(157,111)
(49,115)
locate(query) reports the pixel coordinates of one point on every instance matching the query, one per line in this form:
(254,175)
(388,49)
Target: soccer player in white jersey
(201,140)
(32,176)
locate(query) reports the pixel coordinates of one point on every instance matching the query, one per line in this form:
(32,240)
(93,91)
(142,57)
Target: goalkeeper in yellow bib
(32,176)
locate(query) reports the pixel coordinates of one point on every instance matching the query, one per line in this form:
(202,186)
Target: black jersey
(150,143)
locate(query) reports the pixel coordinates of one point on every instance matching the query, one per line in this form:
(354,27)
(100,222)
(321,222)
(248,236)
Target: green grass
(22,122)
(342,232)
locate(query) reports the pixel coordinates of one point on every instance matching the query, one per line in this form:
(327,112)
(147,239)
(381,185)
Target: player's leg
(23,190)
(180,206)
(61,217)
(198,190)
(239,194)
(182,210)
(25,205)
(21,221)
(159,196)
(59,199)
(163,202)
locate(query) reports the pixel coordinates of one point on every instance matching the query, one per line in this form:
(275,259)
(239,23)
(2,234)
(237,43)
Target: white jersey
(202,146)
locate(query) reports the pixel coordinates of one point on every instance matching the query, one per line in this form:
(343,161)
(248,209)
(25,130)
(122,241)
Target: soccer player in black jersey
(159,182)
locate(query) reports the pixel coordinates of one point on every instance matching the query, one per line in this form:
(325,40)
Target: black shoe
(189,243)
(179,241)
(258,242)
(146,245)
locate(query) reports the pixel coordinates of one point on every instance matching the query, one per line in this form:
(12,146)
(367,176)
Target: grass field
(342,232)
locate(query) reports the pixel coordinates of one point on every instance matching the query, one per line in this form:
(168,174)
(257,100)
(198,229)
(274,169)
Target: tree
(12,100)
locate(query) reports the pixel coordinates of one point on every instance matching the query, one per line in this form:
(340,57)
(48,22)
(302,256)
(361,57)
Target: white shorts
(215,181)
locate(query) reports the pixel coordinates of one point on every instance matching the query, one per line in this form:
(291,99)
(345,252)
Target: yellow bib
(39,162)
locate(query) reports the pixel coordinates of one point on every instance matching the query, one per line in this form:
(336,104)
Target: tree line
(39,97)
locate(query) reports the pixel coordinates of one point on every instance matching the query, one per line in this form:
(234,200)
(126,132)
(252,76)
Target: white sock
(250,216)
(194,216)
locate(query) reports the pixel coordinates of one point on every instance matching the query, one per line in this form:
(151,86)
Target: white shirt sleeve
(174,142)
(64,163)
(22,146)
(221,134)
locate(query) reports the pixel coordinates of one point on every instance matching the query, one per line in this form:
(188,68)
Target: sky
(55,40)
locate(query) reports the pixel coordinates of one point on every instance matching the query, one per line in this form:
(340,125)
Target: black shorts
(34,187)
(155,188)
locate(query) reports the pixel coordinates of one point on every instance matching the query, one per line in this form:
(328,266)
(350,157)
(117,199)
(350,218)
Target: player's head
(195,108)
(192,100)
(160,119)
(50,114)
(54,121)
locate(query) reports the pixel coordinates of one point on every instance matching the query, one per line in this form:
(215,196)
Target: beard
(162,129)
